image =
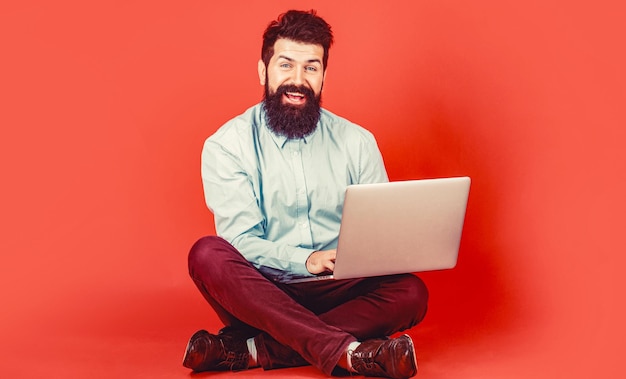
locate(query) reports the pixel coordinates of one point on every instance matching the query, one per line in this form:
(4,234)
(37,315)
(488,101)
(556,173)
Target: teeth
(295,94)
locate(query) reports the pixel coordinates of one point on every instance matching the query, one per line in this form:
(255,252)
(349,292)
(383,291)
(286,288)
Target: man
(274,178)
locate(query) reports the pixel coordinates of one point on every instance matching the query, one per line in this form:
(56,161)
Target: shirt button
(304,225)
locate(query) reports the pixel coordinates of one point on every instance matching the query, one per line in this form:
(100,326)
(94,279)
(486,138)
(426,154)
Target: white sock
(351,348)
(253,354)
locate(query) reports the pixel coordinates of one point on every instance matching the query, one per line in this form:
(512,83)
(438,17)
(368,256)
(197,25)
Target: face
(297,64)
(293,84)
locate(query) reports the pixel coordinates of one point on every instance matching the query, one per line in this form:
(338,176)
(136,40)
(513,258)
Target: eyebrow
(315,60)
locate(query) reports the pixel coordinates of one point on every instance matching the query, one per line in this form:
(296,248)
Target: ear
(262,71)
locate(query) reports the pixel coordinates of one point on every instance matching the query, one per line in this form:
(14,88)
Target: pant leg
(366,308)
(369,307)
(239,293)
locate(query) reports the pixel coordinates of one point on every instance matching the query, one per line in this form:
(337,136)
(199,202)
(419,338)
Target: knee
(418,289)
(204,254)
(416,296)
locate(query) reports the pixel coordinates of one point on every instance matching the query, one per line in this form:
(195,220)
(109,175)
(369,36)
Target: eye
(285,65)
(311,68)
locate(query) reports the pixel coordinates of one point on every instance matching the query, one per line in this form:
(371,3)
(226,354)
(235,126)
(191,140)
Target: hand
(321,261)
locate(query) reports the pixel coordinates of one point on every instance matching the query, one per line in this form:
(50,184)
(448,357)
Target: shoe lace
(236,361)
(364,361)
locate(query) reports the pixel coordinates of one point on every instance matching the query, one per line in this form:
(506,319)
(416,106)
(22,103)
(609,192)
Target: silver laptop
(399,227)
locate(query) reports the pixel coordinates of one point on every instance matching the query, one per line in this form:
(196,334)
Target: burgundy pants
(298,324)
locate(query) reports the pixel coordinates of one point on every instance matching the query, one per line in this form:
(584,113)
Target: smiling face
(293,81)
(297,64)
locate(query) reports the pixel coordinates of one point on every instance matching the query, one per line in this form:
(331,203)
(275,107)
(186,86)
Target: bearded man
(274,178)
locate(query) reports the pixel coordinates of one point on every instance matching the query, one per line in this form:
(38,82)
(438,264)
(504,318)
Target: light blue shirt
(277,200)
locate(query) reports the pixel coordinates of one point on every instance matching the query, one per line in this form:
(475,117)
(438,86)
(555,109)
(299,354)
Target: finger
(330,266)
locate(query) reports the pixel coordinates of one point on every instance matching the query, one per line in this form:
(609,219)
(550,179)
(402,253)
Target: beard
(288,120)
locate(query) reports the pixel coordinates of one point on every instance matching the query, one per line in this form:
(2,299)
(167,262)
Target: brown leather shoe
(392,358)
(210,352)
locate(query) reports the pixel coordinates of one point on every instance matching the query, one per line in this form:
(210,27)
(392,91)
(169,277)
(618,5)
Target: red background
(105,105)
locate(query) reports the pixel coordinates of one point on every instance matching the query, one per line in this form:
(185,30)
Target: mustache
(284,88)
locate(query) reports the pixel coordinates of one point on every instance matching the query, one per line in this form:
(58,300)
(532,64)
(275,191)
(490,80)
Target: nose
(298,77)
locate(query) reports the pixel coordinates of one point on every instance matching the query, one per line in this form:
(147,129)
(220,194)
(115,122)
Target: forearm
(261,252)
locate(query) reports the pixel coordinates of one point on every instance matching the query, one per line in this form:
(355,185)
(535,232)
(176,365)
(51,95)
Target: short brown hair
(298,26)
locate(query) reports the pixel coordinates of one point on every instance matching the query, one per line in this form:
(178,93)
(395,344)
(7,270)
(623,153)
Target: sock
(253,354)
(351,348)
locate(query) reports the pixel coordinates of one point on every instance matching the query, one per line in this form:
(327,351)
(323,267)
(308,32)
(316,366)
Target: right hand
(321,261)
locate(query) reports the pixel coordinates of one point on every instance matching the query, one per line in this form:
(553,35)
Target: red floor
(143,334)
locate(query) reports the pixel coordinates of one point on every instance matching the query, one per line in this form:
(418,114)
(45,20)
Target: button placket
(302,201)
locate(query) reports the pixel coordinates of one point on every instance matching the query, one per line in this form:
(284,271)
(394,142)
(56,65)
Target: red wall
(104,107)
